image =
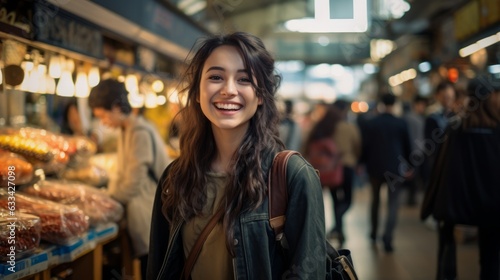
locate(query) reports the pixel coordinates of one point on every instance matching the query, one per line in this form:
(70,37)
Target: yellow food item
(29,148)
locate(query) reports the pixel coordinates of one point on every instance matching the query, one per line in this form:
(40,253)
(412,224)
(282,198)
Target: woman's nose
(230,88)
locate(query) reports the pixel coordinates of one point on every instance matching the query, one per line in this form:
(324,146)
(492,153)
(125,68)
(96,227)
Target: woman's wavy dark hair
(184,190)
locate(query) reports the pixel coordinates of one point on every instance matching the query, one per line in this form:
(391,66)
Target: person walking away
(348,140)
(436,123)
(141,158)
(464,187)
(289,129)
(228,141)
(415,118)
(385,153)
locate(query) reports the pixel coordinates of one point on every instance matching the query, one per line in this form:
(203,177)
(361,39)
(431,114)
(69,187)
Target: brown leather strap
(195,251)
(277,192)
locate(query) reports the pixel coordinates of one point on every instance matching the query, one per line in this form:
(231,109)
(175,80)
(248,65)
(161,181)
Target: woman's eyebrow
(219,68)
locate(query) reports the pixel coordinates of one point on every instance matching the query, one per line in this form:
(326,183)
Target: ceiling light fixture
(481,44)
(322,23)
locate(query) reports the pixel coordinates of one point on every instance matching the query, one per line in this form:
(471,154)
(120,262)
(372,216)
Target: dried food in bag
(14,169)
(95,203)
(29,148)
(89,174)
(19,234)
(61,224)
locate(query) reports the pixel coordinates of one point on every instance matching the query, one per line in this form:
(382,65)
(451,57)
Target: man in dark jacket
(386,150)
(435,125)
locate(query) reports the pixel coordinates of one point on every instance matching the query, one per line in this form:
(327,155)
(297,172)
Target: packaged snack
(96,204)
(89,174)
(45,150)
(29,148)
(61,224)
(21,171)
(19,231)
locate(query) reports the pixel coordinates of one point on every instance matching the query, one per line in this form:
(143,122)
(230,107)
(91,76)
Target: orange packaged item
(21,171)
(19,234)
(96,204)
(61,224)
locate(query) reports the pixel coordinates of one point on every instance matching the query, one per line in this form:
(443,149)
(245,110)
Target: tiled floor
(415,244)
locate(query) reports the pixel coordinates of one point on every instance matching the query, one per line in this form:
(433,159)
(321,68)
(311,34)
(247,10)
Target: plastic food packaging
(61,224)
(21,170)
(19,231)
(84,149)
(89,174)
(96,204)
(28,148)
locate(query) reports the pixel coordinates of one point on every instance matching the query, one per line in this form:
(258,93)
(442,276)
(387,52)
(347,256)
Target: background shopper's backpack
(324,155)
(338,263)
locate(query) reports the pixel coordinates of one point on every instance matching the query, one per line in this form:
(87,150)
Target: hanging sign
(55,26)
(15,17)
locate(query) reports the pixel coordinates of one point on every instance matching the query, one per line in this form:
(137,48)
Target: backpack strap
(277,192)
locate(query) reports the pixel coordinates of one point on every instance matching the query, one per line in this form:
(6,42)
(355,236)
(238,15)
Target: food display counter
(83,257)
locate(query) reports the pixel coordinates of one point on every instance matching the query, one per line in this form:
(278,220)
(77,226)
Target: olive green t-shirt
(214,261)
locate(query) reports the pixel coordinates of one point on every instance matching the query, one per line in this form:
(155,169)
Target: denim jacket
(257,254)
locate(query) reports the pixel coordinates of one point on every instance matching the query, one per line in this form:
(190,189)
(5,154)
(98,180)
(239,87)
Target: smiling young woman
(228,138)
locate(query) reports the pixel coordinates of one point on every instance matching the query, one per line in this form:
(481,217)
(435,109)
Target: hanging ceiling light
(65,87)
(150,100)
(27,66)
(94,77)
(40,85)
(82,85)
(50,85)
(157,86)
(55,66)
(131,83)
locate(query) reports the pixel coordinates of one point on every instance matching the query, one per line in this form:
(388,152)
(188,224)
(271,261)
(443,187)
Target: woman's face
(227,96)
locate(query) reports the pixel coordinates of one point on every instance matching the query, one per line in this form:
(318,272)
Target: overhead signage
(15,17)
(55,26)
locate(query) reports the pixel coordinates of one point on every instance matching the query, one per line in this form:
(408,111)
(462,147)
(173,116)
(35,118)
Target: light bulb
(161,100)
(157,86)
(94,77)
(25,84)
(42,69)
(136,100)
(65,87)
(33,81)
(150,100)
(41,86)
(70,65)
(131,83)
(50,85)
(27,65)
(82,85)
(55,68)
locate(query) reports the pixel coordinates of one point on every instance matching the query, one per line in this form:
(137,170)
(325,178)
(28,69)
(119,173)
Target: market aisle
(415,245)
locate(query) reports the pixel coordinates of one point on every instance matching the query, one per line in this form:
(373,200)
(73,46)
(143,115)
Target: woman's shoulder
(299,168)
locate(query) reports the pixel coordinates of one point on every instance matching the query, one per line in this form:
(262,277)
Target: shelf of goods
(54,216)
(84,255)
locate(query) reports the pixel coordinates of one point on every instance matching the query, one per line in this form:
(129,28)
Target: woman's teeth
(228,106)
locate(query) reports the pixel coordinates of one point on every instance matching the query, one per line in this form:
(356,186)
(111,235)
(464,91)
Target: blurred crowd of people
(441,152)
